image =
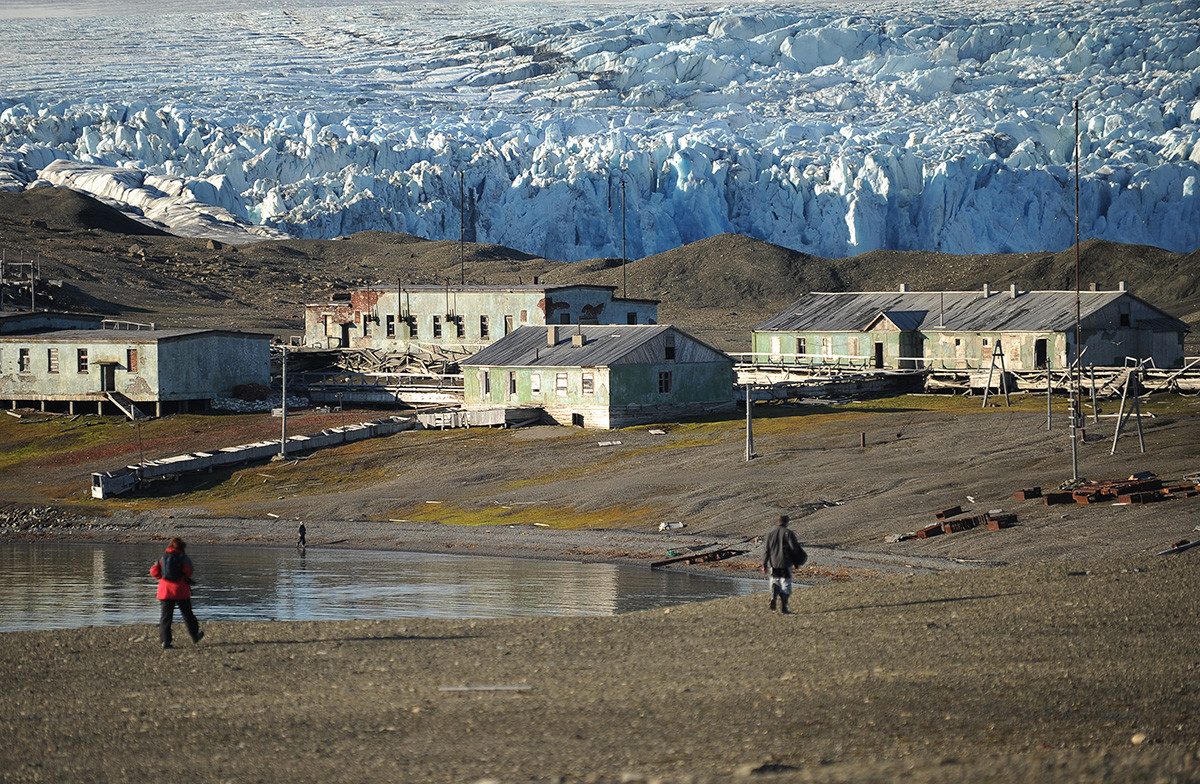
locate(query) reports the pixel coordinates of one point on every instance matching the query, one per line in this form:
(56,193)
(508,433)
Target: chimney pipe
(1122,286)
(1012,290)
(578,340)
(987,290)
(903,287)
(551,335)
(1091,287)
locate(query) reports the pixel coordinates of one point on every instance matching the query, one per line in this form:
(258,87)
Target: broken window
(801,347)
(535,383)
(669,354)
(485,382)
(631,317)
(512,383)
(1124,318)
(564,318)
(589,384)
(23,360)
(826,347)
(460,327)
(483,328)
(524,316)
(52,360)
(437,327)
(508,324)
(664,382)
(412,326)
(560,384)
(81,361)
(131,360)
(391,326)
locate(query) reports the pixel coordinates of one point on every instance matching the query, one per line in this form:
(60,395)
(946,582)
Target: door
(345,335)
(879,355)
(1039,354)
(108,377)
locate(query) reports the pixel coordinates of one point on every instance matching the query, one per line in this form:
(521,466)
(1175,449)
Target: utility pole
(283,404)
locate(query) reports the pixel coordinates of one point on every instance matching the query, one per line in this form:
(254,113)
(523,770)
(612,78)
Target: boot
(774,593)
(783,600)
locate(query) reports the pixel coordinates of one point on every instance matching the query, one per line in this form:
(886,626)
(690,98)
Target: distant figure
(174,574)
(302,539)
(781,553)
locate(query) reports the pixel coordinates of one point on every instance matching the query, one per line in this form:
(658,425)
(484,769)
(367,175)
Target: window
(412,326)
(437,327)
(391,326)
(52,360)
(985,342)
(664,382)
(852,346)
(524,316)
(512,383)
(485,382)
(1124,319)
(508,324)
(801,346)
(131,360)
(460,327)
(560,384)
(23,360)
(826,347)
(535,383)
(631,317)
(669,354)
(564,318)
(81,361)
(589,384)
(483,328)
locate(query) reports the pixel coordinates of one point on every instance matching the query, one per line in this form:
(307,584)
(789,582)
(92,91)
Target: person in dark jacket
(175,592)
(781,552)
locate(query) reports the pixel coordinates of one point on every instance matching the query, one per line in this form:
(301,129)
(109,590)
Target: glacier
(609,129)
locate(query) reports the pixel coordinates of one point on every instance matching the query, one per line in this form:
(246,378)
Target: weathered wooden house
(962,329)
(459,320)
(601,376)
(101,370)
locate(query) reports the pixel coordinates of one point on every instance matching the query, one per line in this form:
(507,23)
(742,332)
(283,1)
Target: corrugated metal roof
(603,346)
(127,335)
(966,311)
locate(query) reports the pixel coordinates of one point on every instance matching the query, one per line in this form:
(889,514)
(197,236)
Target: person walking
(781,553)
(301,537)
(174,574)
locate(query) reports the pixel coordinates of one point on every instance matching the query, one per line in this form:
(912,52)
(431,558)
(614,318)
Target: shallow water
(54,586)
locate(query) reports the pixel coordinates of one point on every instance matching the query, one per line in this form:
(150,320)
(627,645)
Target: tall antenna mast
(1075,382)
(462,229)
(624,287)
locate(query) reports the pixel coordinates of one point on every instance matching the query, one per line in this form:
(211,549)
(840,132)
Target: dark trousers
(167,614)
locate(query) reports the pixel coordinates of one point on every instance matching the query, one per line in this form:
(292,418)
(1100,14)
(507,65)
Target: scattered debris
(993,520)
(608,443)
(719,554)
(1180,546)
(654,431)
(1029,493)
(671,525)
(14,413)
(1140,488)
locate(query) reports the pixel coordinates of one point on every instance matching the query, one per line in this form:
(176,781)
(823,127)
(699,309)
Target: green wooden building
(962,330)
(601,376)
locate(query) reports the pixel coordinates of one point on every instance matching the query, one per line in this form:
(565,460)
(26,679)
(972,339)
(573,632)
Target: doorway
(1040,354)
(879,355)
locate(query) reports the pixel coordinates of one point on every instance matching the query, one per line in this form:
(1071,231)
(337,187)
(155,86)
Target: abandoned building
(21,322)
(601,376)
(455,321)
(963,329)
(109,370)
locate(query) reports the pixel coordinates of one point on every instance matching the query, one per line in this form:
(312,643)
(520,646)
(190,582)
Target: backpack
(172,566)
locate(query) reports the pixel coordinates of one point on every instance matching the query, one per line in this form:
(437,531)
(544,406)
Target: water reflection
(46,586)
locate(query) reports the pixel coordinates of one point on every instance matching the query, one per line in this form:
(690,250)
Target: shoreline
(620,547)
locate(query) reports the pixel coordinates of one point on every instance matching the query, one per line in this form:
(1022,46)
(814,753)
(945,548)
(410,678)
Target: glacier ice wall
(611,129)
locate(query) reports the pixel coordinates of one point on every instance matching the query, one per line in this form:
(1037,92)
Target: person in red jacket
(174,574)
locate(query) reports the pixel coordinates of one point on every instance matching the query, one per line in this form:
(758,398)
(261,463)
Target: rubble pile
(257,406)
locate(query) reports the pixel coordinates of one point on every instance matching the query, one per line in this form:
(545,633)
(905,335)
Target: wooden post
(1049,408)
(749,427)
(1121,414)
